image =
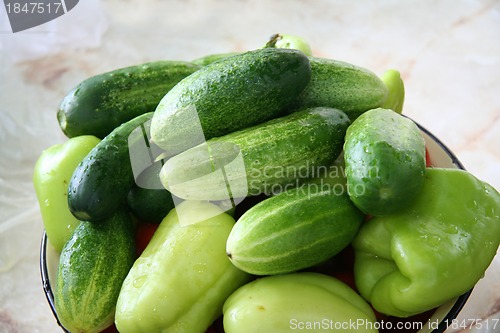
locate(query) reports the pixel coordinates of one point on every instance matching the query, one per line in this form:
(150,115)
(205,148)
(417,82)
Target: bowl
(437,319)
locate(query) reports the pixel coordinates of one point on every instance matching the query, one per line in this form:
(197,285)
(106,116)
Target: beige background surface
(447,51)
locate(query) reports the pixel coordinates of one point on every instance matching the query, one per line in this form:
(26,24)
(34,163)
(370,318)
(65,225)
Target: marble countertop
(445,51)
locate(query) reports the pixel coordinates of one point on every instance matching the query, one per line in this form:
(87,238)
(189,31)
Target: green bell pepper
(51,176)
(304,301)
(396,87)
(182,278)
(434,250)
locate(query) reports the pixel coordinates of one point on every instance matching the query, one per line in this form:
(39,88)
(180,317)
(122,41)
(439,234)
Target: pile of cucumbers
(232,155)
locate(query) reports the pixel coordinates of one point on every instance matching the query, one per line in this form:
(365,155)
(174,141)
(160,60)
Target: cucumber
(293,230)
(384,155)
(148,200)
(101,103)
(181,280)
(101,182)
(229,95)
(344,86)
(210,58)
(264,159)
(149,205)
(92,266)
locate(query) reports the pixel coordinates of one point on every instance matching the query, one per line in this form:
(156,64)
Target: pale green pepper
(51,176)
(182,278)
(287,41)
(297,302)
(396,88)
(434,250)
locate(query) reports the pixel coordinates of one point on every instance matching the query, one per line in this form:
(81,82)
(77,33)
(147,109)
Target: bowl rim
(448,152)
(44,272)
(462,299)
(442,326)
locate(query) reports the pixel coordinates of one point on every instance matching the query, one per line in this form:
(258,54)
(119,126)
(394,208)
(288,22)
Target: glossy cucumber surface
(101,103)
(92,266)
(384,155)
(293,230)
(347,87)
(101,182)
(264,159)
(228,95)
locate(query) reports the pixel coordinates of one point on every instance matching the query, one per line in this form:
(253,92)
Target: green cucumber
(92,267)
(384,155)
(101,103)
(150,202)
(344,86)
(264,159)
(293,230)
(101,182)
(210,58)
(149,205)
(229,95)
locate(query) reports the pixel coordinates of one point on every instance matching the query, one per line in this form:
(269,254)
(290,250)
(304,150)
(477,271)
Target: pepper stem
(285,41)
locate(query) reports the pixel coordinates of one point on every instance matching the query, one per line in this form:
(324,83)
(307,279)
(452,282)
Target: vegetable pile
(227,194)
